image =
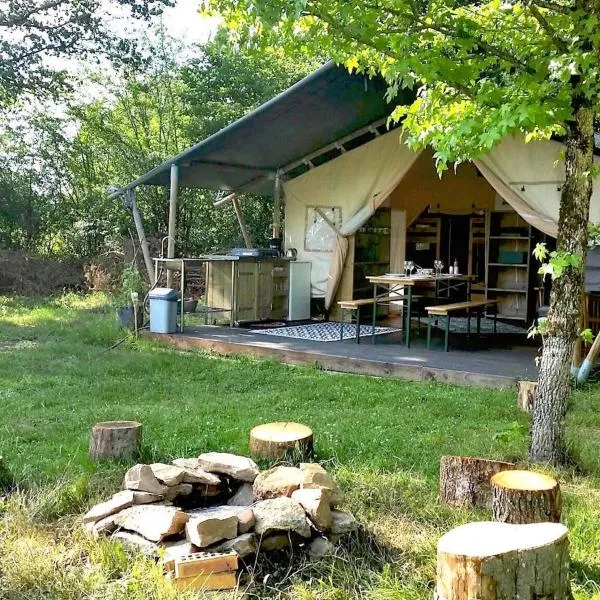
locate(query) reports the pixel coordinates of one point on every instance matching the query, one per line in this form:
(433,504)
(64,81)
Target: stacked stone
(193,511)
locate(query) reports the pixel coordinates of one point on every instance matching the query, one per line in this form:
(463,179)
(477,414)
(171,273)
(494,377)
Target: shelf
(508,317)
(508,237)
(517,265)
(507,291)
(372,262)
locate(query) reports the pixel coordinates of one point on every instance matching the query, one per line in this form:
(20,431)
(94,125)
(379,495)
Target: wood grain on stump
(526,394)
(278,440)
(465,480)
(525,497)
(115,439)
(502,561)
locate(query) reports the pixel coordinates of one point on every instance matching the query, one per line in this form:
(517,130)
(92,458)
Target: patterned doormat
(324,332)
(459,325)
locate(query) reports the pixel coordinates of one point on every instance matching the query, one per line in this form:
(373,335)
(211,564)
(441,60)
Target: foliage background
(54,170)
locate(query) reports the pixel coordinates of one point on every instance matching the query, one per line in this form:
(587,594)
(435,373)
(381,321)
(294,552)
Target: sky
(183,21)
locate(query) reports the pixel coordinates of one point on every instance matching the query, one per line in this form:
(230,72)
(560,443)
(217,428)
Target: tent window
(321,226)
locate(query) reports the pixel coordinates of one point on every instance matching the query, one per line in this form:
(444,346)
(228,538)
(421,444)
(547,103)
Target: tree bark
(465,481)
(551,400)
(281,440)
(526,394)
(525,497)
(115,439)
(499,561)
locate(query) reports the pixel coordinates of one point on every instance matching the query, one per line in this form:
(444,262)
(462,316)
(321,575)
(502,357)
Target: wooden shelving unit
(477,254)
(508,259)
(371,252)
(368,254)
(423,240)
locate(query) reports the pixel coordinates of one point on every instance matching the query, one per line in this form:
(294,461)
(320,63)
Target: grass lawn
(383,438)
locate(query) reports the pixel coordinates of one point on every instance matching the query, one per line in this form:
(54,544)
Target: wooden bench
(356,305)
(447,310)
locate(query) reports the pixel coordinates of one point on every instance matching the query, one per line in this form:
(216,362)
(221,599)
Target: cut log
(501,561)
(526,395)
(525,497)
(279,440)
(115,439)
(465,480)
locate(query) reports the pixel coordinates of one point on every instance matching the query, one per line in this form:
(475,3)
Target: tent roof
(306,121)
(323,108)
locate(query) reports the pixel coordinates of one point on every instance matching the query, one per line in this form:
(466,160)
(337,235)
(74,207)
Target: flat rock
(181,489)
(194,474)
(117,503)
(243,545)
(103,526)
(342,522)
(314,476)
(246,520)
(278,541)
(142,478)
(315,503)
(168,474)
(135,542)
(280,514)
(209,526)
(321,547)
(276,482)
(244,515)
(172,550)
(153,522)
(243,497)
(241,468)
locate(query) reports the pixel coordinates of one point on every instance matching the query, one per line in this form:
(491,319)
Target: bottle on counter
(455,270)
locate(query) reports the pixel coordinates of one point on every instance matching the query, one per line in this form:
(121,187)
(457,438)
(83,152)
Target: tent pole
(139,226)
(277,207)
(241,221)
(172,218)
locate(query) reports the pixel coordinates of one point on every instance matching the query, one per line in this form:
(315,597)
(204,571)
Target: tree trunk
(550,405)
(526,394)
(281,440)
(115,439)
(465,481)
(525,497)
(499,561)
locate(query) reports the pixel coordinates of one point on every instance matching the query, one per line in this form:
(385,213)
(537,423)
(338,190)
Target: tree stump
(465,481)
(525,497)
(278,440)
(115,439)
(527,390)
(501,561)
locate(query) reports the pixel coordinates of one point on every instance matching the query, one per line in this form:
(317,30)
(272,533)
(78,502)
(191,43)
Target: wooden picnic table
(396,283)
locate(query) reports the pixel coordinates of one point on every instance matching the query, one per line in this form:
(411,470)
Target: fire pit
(202,517)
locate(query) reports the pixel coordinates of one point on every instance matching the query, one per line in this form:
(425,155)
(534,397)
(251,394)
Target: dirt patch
(25,274)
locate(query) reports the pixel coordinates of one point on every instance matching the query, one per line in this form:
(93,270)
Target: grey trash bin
(163,310)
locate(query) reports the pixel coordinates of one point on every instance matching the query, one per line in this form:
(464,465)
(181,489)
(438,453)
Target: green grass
(383,438)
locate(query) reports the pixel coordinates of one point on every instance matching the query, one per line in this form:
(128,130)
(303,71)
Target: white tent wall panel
(528,176)
(358,181)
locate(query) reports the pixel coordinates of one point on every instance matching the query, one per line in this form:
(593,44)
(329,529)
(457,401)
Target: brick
(205,563)
(216,581)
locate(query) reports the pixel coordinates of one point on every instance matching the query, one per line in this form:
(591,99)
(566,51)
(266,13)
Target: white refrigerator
(299,292)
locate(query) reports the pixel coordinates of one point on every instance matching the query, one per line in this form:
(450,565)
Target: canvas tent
(326,138)
(527,176)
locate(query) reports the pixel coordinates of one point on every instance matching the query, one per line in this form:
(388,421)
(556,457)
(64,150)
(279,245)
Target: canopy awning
(305,121)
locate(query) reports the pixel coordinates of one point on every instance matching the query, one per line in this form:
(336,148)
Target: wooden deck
(470,363)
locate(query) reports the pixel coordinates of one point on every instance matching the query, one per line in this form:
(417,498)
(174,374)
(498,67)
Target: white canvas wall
(528,176)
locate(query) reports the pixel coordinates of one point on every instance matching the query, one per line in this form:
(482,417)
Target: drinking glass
(411,266)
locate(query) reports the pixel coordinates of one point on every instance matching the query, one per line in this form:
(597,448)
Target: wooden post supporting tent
(174,187)
(241,222)
(277,207)
(139,226)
